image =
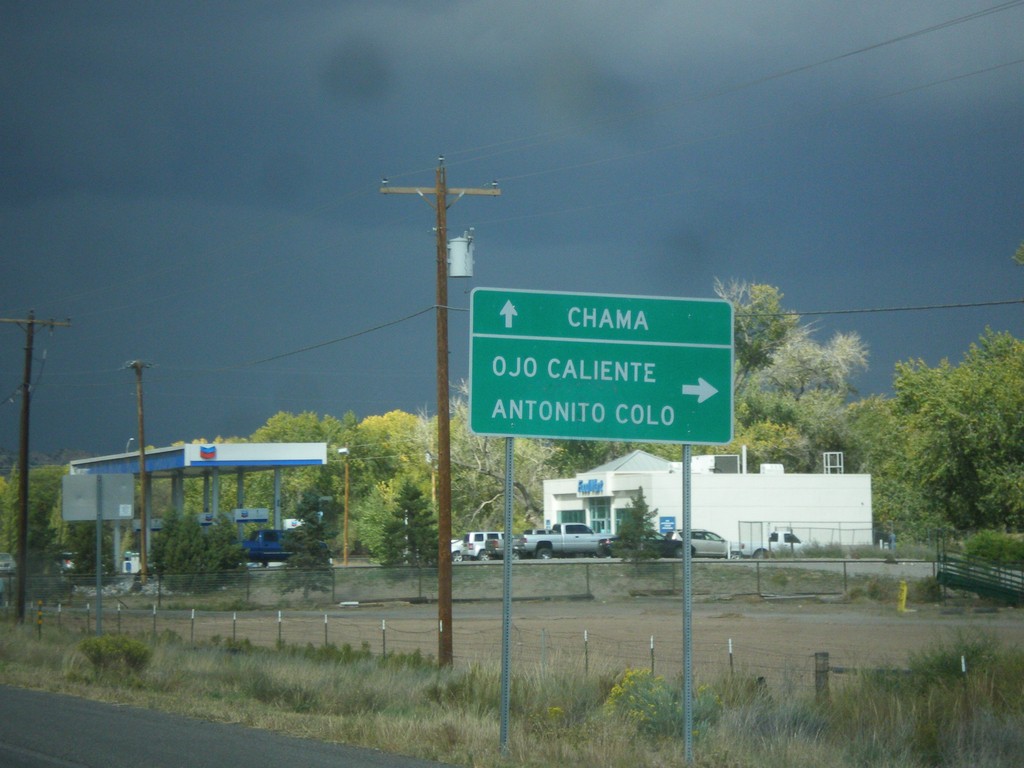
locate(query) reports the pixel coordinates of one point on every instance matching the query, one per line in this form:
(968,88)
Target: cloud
(356,70)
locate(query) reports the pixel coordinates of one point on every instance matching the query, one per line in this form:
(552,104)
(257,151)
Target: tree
(305,427)
(878,446)
(965,433)
(636,527)
(306,541)
(410,532)
(791,391)
(478,476)
(222,550)
(178,546)
(760,325)
(44,494)
(183,548)
(309,567)
(81,540)
(800,365)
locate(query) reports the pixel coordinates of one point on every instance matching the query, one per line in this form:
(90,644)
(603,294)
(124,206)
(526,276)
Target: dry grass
(404,704)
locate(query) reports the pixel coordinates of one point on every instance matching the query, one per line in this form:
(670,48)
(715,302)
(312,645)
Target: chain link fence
(293,589)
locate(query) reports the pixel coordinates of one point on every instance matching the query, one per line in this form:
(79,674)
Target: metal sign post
(506,602)
(687,610)
(580,366)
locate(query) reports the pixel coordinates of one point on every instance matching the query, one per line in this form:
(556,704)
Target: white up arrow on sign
(508,311)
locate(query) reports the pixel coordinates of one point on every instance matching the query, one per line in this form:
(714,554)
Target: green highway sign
(581,366)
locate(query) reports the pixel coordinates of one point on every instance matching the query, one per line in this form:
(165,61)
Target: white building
(744,508)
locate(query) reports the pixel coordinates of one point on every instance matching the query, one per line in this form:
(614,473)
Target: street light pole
(344,535)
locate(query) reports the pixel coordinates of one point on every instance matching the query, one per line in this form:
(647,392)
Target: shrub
(881,589)
(942,662)
(999,547)
(116,652)
(925,590)
(646,701)
(816,550)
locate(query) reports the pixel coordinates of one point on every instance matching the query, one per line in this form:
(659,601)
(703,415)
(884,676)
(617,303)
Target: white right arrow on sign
(701,389)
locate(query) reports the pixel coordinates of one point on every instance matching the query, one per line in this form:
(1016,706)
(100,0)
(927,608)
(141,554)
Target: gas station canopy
(211,462)
(199,459)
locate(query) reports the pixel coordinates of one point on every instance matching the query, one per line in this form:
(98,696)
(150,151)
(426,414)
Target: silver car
(705,543)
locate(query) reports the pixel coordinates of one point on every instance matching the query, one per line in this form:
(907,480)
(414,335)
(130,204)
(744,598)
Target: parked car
(705,543)
(7,564)
(658,545)
(474,544)
(457,550)
(562,540)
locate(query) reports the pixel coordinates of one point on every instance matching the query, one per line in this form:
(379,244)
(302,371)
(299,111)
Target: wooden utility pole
(441,204)
(138,365)
(29,324)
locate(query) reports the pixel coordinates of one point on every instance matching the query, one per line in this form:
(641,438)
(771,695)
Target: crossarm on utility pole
(459,191)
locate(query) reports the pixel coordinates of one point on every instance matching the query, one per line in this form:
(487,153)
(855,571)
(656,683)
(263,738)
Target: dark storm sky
(196,185)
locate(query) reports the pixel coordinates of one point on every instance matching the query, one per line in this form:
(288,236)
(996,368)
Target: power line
(332,341)
(733,133)
(540,139)
(873,310)
(484,152)
(813,313)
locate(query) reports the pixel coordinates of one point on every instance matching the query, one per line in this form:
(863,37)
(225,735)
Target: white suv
(6,563)
(474,544)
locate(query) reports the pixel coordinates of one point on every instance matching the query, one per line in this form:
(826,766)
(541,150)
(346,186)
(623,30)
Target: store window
(571,516)
(600,515)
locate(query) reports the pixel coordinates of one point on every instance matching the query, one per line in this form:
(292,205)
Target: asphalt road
(47,730)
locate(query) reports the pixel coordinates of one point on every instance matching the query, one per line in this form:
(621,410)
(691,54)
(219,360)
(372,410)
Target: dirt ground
(776,639)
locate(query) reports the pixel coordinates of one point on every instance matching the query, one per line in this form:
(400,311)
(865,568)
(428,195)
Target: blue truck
(267,546)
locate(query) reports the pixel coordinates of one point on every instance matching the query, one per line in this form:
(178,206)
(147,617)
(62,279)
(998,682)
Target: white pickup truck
(562,540)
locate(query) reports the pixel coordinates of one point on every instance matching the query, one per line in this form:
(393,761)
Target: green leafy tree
(324,481)
(878,446)
(44,494)
(384,451)
(965,433)
(999,547)
(478,477)
(635,527)
(791,391)
(760,325)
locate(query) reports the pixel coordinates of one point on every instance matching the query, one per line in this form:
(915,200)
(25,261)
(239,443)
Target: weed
(646,701)
(113,652)
(934,715)
(881,589)
(926,590)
